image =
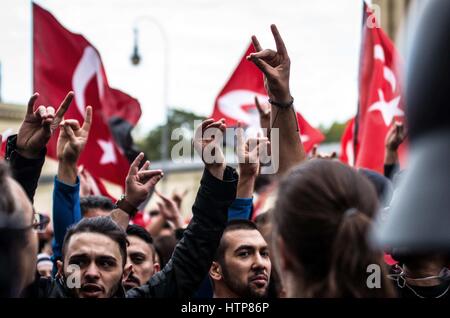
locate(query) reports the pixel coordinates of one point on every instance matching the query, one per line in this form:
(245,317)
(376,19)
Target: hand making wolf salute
(276,66)
(39,125)
(26,151)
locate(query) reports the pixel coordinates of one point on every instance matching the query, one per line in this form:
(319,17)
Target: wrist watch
(126,206)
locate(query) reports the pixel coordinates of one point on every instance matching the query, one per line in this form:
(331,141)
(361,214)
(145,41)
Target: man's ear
(156,267)
(126,271)
(60,267)
(215,271)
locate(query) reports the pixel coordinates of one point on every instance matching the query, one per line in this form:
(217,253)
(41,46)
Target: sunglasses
(40,222)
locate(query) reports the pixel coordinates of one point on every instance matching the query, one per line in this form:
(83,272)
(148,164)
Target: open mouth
(91,291)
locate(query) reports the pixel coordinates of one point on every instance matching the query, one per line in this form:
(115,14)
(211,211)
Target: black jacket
(193,255)
(25,171)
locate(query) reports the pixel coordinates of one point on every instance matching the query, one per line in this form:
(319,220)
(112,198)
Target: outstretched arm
(288,149)
(66,197)
(193,255)
(394,138)
(138,185)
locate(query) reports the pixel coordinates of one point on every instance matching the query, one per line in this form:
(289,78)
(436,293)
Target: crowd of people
(311,240)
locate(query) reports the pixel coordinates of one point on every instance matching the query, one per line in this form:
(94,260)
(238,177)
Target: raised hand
(169,210)
(276,67)
(39,125)
(207,142)
(140,182)
(322,155)
(249,153)
(73,138)
(395,136)
(178,197)
(287,149)
(87,183)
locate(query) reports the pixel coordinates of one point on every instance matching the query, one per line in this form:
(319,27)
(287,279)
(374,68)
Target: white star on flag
(388,109)
(109,155)
(304,138)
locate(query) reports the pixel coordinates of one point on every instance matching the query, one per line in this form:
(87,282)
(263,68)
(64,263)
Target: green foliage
(334,132)
(178,118)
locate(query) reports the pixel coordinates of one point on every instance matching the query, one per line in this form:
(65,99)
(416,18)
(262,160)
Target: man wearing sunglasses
(19,223)
(18,236)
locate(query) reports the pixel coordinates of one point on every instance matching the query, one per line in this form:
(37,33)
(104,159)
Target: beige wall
(393,14)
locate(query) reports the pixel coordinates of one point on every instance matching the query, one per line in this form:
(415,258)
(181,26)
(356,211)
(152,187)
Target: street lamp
(136,59)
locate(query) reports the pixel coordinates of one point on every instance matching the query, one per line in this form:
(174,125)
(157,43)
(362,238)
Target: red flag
(380,96)
(347,153)
(65,61)
(97,187)
(236,101)
(5,134)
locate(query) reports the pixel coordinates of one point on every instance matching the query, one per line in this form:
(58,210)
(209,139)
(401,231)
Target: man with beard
(242,265)
(141,257)
(93,253)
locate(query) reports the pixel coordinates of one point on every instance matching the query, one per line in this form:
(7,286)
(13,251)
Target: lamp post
(136,59)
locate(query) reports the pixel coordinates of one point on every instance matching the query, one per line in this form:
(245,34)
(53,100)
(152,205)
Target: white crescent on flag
(230,105)
(88,67)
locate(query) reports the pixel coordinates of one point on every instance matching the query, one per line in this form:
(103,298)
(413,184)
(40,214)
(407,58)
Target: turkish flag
(5,134)
(380,96)
(236,102)
(65,61)
(347,153)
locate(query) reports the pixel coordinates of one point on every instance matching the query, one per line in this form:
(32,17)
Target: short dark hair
(143,234)
(139,231)
(102,225)
(263,218)
(383,186)
(233,225)
(164,246)
(262,181)
(95,202)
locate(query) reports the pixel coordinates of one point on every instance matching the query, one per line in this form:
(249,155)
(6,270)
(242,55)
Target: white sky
(206,39)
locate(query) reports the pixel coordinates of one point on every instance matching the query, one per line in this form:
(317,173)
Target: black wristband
(282,105)
(126,206)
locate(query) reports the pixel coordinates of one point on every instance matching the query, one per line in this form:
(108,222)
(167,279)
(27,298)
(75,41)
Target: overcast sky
(206,40)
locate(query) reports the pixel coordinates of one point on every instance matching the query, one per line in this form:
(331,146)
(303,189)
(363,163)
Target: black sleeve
(390,170)
(179,234)
(194,253)
(25,171)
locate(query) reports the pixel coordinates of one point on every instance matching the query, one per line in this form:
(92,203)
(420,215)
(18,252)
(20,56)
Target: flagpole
(361,56)
(32,48)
